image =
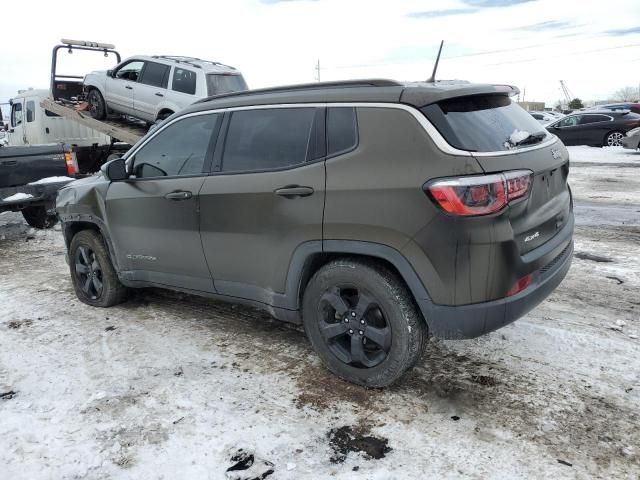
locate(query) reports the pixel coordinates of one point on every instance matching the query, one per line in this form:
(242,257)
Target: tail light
(72,163)
(481,194)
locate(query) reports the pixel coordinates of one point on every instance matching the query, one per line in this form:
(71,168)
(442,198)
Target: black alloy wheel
(88,272)
(354,327)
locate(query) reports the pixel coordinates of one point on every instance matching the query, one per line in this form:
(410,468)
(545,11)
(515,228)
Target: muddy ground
(173,386)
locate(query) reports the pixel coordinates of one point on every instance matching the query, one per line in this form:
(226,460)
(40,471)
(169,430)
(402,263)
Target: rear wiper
(530,139)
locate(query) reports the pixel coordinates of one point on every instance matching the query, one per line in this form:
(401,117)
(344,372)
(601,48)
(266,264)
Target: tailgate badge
(555,153)
(531,237)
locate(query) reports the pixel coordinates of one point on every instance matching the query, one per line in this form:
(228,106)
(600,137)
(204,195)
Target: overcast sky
(594,46)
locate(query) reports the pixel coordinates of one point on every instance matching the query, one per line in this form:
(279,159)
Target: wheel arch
(72,228)
(311,256)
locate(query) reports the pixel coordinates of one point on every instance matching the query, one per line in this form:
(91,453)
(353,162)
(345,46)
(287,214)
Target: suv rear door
(150,90)
(264,199)
(153,218)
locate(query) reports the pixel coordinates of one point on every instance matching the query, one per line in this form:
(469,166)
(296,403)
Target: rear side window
(31,111)
(571,121)
(155,74)
(586,119)
(342,130)
(180,149)
(480,123)
(218,84)
(266,139)
(184,81)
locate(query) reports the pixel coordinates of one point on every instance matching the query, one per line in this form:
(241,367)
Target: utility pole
(318,70)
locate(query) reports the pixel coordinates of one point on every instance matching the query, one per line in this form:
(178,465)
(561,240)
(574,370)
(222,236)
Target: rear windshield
(218,84)
(484,123)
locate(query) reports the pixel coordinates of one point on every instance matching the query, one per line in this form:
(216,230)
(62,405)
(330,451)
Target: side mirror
(109,73)
(115,170)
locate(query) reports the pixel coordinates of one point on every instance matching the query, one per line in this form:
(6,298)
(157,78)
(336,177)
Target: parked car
(542,117)
(372,212)
(597,128)
(632,139)
(634,107)
(30,176)
(153,88)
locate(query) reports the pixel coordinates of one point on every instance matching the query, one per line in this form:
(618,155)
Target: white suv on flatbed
(152,88)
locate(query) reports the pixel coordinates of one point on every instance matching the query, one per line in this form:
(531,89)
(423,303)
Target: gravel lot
(172,386)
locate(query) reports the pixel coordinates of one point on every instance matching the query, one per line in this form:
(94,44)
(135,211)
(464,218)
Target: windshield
(218,84)
(484,123)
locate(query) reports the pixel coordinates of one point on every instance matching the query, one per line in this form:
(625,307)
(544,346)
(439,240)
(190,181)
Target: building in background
(532,106)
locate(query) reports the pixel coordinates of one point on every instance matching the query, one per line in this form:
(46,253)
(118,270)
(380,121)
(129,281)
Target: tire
(37,217)
(94,278)
(97,107)
(163,116)
(383,343)
(612,139)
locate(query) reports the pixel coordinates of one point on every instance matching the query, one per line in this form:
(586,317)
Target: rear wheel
(613,139)
(97,107)
(94,278)
(37,217)
(362,322)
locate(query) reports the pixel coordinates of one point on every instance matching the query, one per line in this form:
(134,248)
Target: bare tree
(627,94)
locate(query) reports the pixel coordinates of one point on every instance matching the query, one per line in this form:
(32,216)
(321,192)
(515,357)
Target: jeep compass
(374,213)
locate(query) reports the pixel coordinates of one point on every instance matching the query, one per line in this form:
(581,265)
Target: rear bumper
(631,142)
(470,321)
(41,194)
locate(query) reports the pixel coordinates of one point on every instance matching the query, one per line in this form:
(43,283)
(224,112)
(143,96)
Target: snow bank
(17,196)
(585,154)
(51,180)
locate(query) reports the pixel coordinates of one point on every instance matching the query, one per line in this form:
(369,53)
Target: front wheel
(362,322)
(94,278)
(613,139)
(97,107)
(37,217)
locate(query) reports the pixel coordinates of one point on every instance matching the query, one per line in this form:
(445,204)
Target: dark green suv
(372,212)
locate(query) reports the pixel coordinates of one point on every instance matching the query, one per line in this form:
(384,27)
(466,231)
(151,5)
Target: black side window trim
(208,159)
(346,150)
(318,128)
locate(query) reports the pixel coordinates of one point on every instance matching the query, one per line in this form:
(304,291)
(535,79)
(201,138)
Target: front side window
(180,149)
(16,114)
(31,111)
(217,84)
(155,74)
(266,139)
(482,123)
(569,121)
(130,71)
(184,81)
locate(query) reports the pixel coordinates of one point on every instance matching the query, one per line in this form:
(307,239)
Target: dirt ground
(172,386)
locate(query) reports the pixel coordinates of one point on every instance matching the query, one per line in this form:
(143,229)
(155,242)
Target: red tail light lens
(479,195)
(72,164)
(520,285)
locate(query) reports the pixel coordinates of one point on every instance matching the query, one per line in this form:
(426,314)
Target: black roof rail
(370,82)
(190,60)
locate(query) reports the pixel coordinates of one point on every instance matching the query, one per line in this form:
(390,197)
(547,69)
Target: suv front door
(264,199)
(153,217)
(120,88)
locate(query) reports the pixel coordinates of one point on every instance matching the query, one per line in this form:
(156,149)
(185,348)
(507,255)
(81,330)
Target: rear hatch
(502,137)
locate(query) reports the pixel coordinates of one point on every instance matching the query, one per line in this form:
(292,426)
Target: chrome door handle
(179,195)
(292,191)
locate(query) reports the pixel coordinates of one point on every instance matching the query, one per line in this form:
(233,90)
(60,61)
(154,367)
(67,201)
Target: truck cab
(30,124)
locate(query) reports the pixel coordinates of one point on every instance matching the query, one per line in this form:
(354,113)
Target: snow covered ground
(171,386)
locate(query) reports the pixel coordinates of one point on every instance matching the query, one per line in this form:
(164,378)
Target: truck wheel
(37,217)
(94,278)
(97,108)
(362,322)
